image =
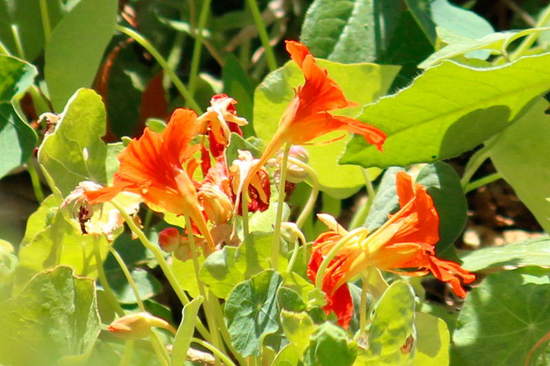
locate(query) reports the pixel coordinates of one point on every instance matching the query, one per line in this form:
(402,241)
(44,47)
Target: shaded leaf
(238,86)
(56,316)
(521,155)
(76,47)
(15,77)
(502,319)
(185,331)
(429,121)
(251,311)
(432,348)
(17,140)
(330,346)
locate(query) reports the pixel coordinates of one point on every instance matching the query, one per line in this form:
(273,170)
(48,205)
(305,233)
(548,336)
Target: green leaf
(76,47)
(431,121)
(298,328)
(74,151)
(495,42)
(535,252)
(251,311)
(50,240)
(54,316)
(185,273)
(349,31)
(21,28)
(17,140)
(385,202)
(519,152)
(288,356)
(458,20)
(361,83)
(147,285)
(237,85)
(225,268)
(185,331)
(391,328)
(433,340)
(238,143)
(15,77)
(443,184)
(502,319)
(330,346)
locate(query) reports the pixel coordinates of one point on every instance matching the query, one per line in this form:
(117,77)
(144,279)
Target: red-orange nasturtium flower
(406,241)
(308,114)
(157,167)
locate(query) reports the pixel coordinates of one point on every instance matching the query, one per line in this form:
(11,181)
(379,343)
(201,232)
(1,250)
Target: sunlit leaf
(185,331)
(330,346)
(433,341)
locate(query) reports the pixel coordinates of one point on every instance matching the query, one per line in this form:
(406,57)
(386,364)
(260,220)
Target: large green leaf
(433,341)
(449,109)
(349,30)
(503,319)
(443,185)
(17,140)
(521,155)
(15,77)
(54,316)
(330,346)
(21,24)
(252,313)
(76,47)
(74,151)
(50,240)
(391,328)
(535,252)
(361,83)
(185,331)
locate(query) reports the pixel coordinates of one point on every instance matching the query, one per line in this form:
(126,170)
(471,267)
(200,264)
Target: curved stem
(482,182)
(262,32)
(308,207)
(35,181)
(197,46)
(162,263)
(473,165)
(294,255)
(279,215)
(164,64)
(226,360)
(532,38)
(103,279)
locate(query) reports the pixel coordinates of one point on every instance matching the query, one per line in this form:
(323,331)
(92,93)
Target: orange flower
(406,241)
(157,167)
(307,116)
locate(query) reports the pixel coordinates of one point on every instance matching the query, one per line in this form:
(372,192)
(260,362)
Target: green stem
(361,216)
(35,181)
(164,64)
(262,32)
(294,255)
(314,181)
(244,204)
(160,350)
(279,215)
(40,103)
(46,26)
(147,220)
(363,306)
(17,41)
(481,182)
(532,38)
(473,165)
(226,360)
(197,46)
(159,256)
(103,279)
(126,359)
(225,333)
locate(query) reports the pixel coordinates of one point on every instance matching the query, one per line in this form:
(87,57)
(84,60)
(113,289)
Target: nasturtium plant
(321,182)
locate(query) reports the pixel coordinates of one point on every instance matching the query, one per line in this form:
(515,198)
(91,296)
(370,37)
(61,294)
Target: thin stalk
(361,216)
(35,181)
(40,103)
(162,263)
(226,360)
(310,204)
(280,204)
(147,220)
(225,333)
(160,350)
(210,316)
(262,32)
(294,255)
(244,204)
(126,359)
(473,165)
(46,26)
(197,46)
(164,64)
(482,182)
(17,41)
(532,38)
(103,279)
(363,306)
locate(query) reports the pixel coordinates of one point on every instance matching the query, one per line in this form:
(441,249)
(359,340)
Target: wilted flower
(259,190)
(137,326)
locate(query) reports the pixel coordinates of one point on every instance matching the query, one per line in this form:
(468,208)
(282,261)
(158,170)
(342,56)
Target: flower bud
(138,325)
(216,204)
(169,239)
(295,173)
